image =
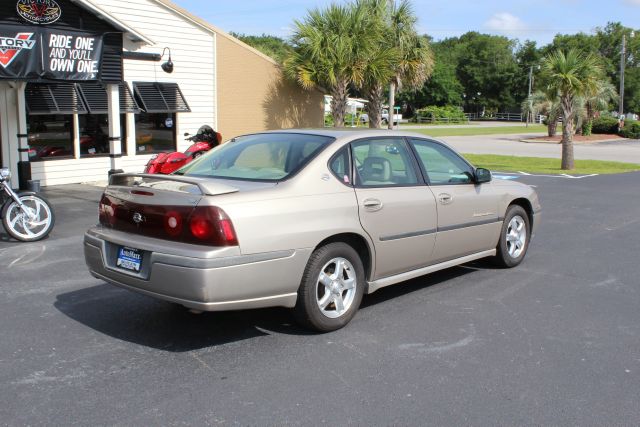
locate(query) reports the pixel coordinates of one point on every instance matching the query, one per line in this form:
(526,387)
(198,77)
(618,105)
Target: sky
(538,20)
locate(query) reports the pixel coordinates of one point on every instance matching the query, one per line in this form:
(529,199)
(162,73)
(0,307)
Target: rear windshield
(260,157)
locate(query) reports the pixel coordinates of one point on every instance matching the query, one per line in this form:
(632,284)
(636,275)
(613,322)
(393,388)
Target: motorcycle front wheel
(32,223)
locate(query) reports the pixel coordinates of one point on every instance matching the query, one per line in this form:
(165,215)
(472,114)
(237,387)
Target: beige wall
(253,96)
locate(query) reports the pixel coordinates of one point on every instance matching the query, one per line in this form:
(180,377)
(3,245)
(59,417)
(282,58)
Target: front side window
(155,132)
(442,165)
(260,157)
(50,136)
(384,162)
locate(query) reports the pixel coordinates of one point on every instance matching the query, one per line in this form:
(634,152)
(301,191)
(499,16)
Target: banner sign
(46,53)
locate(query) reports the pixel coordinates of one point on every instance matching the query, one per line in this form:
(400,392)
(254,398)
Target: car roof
(351,133)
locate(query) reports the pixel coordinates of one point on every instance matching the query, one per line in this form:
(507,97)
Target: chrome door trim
(470,224)
(406,235)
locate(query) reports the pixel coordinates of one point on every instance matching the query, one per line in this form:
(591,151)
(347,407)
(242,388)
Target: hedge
(449,112)
(605,125)
(631,130)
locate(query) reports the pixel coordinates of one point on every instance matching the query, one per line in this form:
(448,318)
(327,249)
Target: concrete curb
(594,141)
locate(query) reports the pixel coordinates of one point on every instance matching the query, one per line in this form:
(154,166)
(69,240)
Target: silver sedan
(310,220)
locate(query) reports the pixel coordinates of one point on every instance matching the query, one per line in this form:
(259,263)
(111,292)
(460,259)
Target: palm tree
(380,67)
(331,48)
(571,75)
(530,107)
(544,103)
(599,101)
(377,74)
(415,62)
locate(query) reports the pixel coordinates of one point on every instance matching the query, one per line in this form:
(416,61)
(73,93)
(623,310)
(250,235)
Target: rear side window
(260,157)
(383,162)
(340,166)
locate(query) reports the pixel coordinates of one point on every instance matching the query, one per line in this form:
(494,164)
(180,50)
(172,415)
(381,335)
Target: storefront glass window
(50,137)
(155,132)
(94,134)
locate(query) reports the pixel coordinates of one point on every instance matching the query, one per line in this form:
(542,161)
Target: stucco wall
(253,95)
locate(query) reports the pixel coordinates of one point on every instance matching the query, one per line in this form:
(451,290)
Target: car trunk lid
(167,207)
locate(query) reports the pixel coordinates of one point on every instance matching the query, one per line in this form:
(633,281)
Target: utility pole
(622,63)
(529,96)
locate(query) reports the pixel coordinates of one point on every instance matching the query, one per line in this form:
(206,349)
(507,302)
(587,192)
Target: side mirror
(483,175)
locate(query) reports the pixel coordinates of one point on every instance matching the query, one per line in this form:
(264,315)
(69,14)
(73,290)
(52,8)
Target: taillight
(211,224)
(106,211)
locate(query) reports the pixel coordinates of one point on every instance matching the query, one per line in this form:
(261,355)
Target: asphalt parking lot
(555,341)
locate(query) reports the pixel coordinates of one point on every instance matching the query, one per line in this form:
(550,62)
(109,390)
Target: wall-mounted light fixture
(167,67)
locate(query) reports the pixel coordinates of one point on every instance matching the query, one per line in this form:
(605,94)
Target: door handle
(445,198)
(372,204)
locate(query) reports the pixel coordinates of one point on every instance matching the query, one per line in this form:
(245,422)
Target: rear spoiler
(182,184)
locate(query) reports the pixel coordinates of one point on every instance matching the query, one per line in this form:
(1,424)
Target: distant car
(305,219)
(364,117)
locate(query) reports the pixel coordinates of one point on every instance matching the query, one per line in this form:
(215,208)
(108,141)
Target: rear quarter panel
(295,214)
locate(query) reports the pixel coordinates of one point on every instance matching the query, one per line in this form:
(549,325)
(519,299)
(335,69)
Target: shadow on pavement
(418,284)
(142,320)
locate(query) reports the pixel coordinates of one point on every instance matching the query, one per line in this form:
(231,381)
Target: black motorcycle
(26,216)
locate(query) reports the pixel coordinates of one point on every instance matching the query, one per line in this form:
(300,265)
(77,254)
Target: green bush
(448,113)
(605,125)
(631,130)
(587,128)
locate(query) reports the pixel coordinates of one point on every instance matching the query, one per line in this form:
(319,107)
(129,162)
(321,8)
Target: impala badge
(138,218)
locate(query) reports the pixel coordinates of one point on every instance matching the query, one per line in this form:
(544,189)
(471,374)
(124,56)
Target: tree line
(371,49)
(497,67)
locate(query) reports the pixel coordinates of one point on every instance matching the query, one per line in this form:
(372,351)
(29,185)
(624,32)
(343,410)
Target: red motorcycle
(165,163)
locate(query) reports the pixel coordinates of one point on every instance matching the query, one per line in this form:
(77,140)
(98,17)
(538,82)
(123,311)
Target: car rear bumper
(200,278)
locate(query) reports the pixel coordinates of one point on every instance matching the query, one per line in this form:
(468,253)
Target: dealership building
(94,87)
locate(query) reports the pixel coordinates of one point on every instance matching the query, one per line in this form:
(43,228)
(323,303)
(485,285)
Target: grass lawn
(475,130)
(547,166)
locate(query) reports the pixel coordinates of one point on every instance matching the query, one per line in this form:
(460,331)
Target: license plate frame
(129,259)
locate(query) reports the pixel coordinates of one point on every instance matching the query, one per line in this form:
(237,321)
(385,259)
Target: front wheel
(32,222)
(331,288)
(514,237)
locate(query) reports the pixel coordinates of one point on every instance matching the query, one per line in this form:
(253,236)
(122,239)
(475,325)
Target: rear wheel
(331,288)
(514,237)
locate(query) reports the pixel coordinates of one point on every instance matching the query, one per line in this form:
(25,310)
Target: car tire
(514,238)
(385,121)
(331,289)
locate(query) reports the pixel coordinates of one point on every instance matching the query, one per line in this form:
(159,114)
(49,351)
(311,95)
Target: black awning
(96,99)
(56,98)
(156,97)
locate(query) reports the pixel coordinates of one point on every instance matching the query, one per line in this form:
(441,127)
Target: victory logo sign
(39,11)
(10,47)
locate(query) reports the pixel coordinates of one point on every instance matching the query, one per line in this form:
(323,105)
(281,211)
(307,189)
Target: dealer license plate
(129,259)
